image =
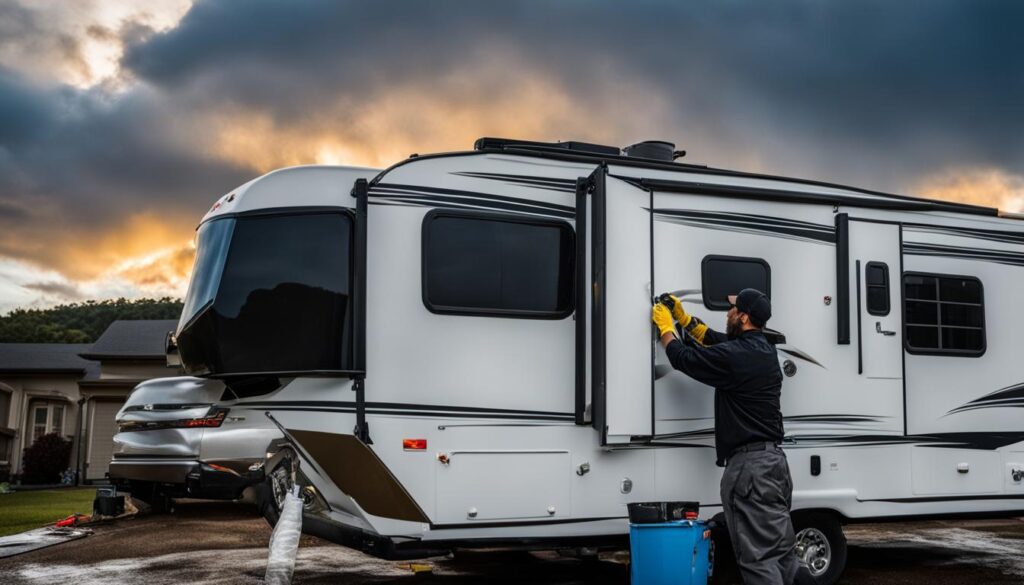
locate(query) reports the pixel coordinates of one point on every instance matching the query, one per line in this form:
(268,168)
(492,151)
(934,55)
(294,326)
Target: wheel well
(805,512)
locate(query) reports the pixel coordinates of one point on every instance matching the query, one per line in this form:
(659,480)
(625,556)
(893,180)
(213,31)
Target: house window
(944,315)
(5,406)
(493,264)
(5,433)
(47,417)
(876,278)
(722,276)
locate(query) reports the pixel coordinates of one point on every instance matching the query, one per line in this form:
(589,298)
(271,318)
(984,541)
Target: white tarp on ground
(23,542)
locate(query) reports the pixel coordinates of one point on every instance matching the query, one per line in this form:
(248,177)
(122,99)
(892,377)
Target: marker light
(414,444)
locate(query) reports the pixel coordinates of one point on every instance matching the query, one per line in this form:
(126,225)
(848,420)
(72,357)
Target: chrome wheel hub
(813,550)
(280,484)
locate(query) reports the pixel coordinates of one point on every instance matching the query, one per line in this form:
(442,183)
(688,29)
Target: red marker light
(414,444)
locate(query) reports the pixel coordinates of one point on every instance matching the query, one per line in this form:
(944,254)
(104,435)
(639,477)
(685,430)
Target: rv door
(622,338)
(875,260)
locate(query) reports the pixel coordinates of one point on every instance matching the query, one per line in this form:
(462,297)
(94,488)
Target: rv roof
(586,152)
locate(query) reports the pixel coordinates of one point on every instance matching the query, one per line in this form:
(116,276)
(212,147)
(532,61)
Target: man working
(744,370)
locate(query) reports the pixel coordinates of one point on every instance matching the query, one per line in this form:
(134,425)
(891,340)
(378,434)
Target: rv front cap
(754,303)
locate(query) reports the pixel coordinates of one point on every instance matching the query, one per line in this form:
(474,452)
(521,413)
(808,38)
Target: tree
(80,322)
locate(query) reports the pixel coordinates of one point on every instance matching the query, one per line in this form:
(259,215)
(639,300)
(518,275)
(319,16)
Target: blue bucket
(669,553)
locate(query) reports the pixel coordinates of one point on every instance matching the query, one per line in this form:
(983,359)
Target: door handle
(878,329)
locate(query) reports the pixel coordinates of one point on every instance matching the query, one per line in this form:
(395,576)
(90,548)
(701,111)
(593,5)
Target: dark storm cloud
(850,90)
(24,112)
(873,93)
(97,156)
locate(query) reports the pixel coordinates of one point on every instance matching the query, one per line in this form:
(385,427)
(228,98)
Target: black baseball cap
(754,303)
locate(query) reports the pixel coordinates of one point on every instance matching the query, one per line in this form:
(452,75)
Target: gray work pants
(757,492)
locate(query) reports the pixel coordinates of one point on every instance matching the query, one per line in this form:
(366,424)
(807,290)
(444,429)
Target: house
(39,394)
(76,390)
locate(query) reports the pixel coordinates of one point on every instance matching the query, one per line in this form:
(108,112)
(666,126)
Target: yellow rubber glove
(678,313)
(692,325)
(662,319)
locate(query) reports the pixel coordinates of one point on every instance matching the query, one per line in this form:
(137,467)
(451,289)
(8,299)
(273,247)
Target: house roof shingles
(142,339)
(37,358)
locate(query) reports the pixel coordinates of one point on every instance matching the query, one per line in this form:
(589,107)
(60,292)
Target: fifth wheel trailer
(458,348)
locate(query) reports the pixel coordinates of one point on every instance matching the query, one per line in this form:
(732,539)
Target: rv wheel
(276,485)
(820,546)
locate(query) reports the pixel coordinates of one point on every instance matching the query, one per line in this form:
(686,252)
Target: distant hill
(80,322)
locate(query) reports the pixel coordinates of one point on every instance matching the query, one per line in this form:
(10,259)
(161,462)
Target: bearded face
(734,323)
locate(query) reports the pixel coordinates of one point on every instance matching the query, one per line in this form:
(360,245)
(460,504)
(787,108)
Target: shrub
(45,460)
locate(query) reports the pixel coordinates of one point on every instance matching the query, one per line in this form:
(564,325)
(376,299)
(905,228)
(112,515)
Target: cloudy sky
(121,122)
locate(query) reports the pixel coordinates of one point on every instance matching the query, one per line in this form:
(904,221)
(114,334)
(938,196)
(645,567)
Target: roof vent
(654,150)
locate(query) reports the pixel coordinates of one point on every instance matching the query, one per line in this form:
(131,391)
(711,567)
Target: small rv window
(944,315)
(722,276)
(876,278)
(495,264)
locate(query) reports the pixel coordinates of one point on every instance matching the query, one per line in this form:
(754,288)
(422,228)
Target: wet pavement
(226,544)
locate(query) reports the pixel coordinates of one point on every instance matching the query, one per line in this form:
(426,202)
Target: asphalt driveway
(204,543)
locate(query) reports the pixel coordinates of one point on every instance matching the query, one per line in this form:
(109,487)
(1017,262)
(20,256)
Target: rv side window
(876,278)
(944,315)
(722,276)
(494,264)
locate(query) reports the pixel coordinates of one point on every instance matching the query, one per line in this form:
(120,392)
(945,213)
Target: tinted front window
(211,252)
(282,304)
(479,264)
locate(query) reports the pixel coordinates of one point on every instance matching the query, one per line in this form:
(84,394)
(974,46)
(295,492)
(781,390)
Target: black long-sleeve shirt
(748,385)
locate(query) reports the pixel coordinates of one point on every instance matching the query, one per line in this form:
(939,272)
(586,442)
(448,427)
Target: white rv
(459,348)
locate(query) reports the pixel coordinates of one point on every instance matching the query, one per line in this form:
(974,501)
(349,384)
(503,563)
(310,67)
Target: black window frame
(940,351)
(868,286)
(433,214)
(723,305)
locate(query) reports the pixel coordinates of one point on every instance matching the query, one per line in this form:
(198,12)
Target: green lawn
(22,511)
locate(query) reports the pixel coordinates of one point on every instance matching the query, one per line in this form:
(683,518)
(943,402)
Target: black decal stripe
(457,203)
(409,413)
(763,219)
(465,199)
(799,354)
(926,499)
(1008,404)
(412,409)
(406,406)
(997,256)
(978,441)
(1009,396)
(979,233)
(749,224)
(393,187)
(757,225)
(834,418)
(549,183)
(435,202)
(518,178)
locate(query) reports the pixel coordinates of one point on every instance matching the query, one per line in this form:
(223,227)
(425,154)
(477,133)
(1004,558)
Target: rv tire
(820,546)
(269,492)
